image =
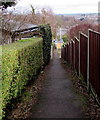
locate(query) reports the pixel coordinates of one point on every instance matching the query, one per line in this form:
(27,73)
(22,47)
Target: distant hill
(77,14)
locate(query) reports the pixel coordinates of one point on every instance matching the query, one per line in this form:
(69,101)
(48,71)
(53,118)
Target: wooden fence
(94,60)
(84,56)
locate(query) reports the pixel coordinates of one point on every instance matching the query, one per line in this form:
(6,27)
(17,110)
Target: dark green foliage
(47,41)
(20,63)
(65,39)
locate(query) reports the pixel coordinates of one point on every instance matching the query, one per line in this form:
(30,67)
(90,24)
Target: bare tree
(5,27)
(10,23)
(7,3)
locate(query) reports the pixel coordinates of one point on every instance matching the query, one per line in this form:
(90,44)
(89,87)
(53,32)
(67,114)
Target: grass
(14,46)
(27,39)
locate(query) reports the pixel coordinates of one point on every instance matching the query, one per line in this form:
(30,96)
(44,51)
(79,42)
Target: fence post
(88,84)
(73,54)
(68,53)
(79,53)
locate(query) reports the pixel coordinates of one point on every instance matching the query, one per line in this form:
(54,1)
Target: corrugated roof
(17,25)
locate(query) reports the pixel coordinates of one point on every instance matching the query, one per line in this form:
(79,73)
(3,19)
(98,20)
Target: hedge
(47,41)
(20,63)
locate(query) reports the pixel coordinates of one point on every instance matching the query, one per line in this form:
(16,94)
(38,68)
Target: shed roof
(16,25)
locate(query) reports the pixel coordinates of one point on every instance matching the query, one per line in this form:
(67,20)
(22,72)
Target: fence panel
(63,53)
(73,54)
(68,52)
(83,55)
(94,60)
(77,55)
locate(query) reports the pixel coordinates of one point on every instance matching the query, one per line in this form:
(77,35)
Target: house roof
(16,25)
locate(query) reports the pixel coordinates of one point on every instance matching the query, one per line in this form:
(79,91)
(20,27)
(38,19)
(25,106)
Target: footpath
(57,98)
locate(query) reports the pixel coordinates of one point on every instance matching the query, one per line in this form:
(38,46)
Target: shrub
(47,41)
(65,39)
(20,62)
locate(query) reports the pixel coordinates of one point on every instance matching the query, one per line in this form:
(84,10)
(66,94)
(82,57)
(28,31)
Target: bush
(20,63)
(47,41)
(65,39)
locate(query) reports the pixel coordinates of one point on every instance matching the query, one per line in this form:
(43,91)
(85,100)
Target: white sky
(60,6)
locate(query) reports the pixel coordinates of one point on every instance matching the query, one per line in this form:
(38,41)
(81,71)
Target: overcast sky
(60,6)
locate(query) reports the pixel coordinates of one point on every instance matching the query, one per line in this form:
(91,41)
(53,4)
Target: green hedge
(20,62)
(47,41)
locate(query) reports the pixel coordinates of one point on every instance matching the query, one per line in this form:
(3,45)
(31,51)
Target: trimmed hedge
(20,63)
(47,41)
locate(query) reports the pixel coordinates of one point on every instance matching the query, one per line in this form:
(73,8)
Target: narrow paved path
(57,98)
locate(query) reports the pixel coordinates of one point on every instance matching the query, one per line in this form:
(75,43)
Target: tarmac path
(57,98)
